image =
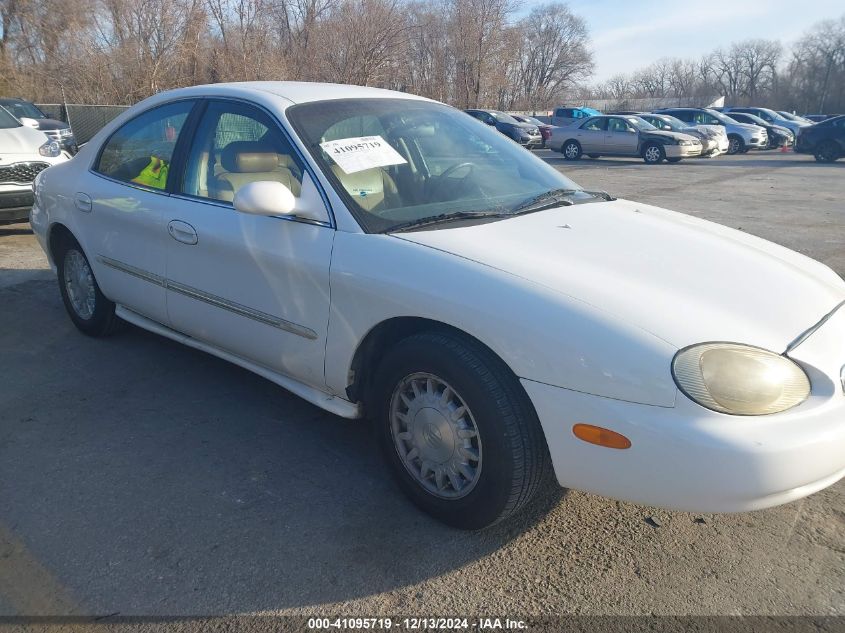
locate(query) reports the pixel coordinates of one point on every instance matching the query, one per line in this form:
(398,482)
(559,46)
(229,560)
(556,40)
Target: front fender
(541,334)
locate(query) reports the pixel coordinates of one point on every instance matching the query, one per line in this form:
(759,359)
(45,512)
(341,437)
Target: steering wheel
(437,185)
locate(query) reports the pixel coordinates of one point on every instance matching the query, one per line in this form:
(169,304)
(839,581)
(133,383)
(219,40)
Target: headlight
(739,379)
(688,143)
(50,149)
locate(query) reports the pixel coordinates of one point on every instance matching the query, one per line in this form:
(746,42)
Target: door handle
(182,232)
(82,201)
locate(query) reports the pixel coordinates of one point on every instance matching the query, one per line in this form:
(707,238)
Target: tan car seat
(243,162)
(373,189)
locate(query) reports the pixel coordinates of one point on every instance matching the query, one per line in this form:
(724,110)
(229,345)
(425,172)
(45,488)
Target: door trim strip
(211,299)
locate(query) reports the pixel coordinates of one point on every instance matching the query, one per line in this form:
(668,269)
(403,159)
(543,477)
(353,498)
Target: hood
(51,124)
(678,136)
(682,279)
(747,126)
(21,140)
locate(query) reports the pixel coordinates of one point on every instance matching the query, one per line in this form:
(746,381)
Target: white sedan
(387,256)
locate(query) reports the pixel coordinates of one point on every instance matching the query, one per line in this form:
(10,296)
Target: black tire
(594,155)
(673,160)
(571,150)
(827,152)
(735,144)
(102,321)
(650,156)
(514,456)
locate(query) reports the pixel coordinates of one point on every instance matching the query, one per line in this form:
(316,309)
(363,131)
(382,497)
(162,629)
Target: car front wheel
(827,152)
(735,145)
(653,154)
(88,308)
(457,430)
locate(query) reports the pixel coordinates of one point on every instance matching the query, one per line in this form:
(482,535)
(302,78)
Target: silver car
(714,139)
(609,135)
(741,136)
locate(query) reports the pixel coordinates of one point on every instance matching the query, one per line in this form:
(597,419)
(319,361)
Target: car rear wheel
(827,152)
(457,430)
(571,150)
(735,144)
(653,154)
(88,308)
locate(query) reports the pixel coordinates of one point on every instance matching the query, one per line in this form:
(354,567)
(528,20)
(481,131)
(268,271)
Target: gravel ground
(138,476)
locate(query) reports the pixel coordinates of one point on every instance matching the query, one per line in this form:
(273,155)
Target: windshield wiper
(445,217)
(556,198)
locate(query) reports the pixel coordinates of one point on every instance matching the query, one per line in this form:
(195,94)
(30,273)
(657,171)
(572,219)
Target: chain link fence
(84,120)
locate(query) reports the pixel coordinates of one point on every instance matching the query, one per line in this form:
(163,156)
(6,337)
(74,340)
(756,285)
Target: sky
(629,34)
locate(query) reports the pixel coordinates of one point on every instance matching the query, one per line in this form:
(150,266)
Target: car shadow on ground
(150,478)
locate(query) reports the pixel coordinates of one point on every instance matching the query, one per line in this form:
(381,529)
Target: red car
(545,128)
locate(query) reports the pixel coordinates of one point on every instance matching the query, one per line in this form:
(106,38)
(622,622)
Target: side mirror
(269,197)
(28,122)
(264,198)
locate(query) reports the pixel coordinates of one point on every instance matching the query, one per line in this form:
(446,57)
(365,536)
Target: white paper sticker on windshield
(362,152)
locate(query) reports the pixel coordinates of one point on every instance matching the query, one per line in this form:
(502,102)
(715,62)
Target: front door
(255,286)
(622,137)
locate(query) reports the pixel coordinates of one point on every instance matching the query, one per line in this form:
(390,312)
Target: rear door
(122,203)
(591,135)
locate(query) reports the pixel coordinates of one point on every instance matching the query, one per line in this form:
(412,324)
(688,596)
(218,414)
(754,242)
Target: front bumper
(757,142)
(689,458)
(682,151)
(15,205)
(531,142)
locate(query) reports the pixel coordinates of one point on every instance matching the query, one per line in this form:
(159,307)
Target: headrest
(248,157)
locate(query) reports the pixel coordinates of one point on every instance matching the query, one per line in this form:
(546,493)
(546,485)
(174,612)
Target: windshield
(398,161)
(674,123)
(531,119)
(23,109)
(590,111)
(745,117)
(501,117)
(719,116)
(640,123)
(7,120)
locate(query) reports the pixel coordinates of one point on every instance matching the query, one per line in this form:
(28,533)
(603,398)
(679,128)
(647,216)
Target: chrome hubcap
(734,146)
(435,435)
(79,283)
(571,150)
(652,154)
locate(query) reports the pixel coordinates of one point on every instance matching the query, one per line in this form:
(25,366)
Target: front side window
(401,161)
(141,151)
(617,125)
(236,144)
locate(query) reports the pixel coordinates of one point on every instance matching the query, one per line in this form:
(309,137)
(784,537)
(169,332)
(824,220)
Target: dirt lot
(141,477)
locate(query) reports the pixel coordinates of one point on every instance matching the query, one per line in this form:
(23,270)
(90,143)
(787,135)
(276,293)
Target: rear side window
(141,151)
(564,112)
(595,125)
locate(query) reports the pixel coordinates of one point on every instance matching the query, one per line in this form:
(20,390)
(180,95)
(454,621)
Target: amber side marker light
(601,437)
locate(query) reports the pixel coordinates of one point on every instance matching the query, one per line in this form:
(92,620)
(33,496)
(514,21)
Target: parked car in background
(714,139)
(769,116)
(29,114)
(607,135)
(569,115)
(526,134)
(627,112)
(816,118)
(545,128)
(794,117)
(741,136)
(779,136)
(24,153)
(824,140)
